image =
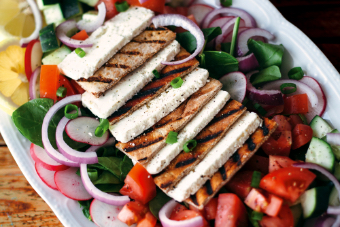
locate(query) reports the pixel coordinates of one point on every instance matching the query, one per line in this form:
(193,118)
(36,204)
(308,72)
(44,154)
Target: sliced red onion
(184,22)
(248,63)
(249,33)
(333,138)
(61,31)
(53,153)
(324,221)
(91,26)
(200,11)
(248,19)
(229,37)
(220,22)
(301,88)
(236,84)
(226,29)
(33,83)
(267,97)
(142,1)
(165,213)
(38,24)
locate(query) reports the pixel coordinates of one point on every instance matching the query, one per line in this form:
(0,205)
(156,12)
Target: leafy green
(93,174)
(158,202)
(266,54)
(296,73)
(86,208)
(109,187)
(225,47)
(125,166)
(105,177)
(226,3)
(234,39)
(219,63)
(271,73)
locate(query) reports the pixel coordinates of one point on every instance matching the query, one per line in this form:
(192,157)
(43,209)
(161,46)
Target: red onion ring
(53,153)
(333,138)
(61,31)
(248,63)
(226,29)
(93,25)
(165,213)
(324,221)
(38,24)
(33,83)
(249,33)
(248,19)
(184,22)
(267,97)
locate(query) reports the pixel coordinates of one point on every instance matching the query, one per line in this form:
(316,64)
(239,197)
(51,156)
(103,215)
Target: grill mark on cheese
(155,29)
(206,140)
(209,187)
(148,144)
(229,169)
(166,185)
(149,41)
(96,79)
(156,87)
(142,159)
(118,66)
(251,144)
(131,53)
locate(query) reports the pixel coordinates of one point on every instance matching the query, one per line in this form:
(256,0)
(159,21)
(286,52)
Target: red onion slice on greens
(236,84)
(249,33)
(38,24)
(53,153)
(33,83)
(220,22)
(184,22)
(226,30)
(61,31)
(165,213)
(324,221)
(200,11)
(248,63)
(91,26)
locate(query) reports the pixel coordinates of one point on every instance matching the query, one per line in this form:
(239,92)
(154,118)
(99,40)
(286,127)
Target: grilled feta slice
(115,98)
(107,40)
(163,158)
(150,113)
(215,159)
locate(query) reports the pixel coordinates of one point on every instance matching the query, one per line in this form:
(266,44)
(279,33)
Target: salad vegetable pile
(181,154)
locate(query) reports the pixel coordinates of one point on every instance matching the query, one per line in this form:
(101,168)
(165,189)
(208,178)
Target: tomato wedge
(240,184)
(302,134)
(285,218)
(133,212)
(279,143)
(64,82)
(148,221)
(188,214)
(110,8)
(82,35)
(49,81)
(77,87)
(154,5)
(258,163)
(282,123)
(288,183)
(294,120)
(211,209)
(296,104)
(178,208)
(279,162)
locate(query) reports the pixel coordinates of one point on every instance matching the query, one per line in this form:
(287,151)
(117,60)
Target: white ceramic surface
(300,51)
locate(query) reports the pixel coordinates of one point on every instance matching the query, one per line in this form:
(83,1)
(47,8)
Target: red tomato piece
(261,201)
(133,212)
(202,212)
(77,87)
(257,163)
(279,162)
(139,185)
(302,134)
(296,104)
(211,209)
(82,35)
(285,218)
(148,221)
(294,120)
(240,184)
(279,143)
(154,5)
(282,123)
(110,8)
(189,214)
(64,82)
(49,81)
(288,183)
(178,208)
(231,212)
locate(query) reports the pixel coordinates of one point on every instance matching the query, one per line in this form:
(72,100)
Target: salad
(175,114)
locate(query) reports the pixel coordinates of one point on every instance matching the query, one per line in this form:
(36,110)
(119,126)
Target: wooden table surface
(20,205)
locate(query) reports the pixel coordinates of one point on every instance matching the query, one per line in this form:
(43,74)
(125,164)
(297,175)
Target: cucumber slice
(56,56)
(314,201)
(48,38)
(320,152)
(71,8)
(89,2)
(297,214)
(337,170)
(320,127)
(53,14)
(336,149)
(334,198)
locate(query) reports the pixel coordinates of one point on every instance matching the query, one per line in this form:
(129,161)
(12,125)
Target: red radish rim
(248,63)
(38,168)
(96,205)
(28,56)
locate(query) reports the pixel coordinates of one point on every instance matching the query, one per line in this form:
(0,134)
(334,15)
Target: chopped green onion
(156,73)
(234,39)
(256,215)
(226,3)
(191,143)
(69,111)
(296,73)
(177,82)
(255,180)
(288,91)
(61,92)
(122,7)
(245,101)
(225,47)
(303,118)
(171,138)
(260,109)
(102,127)
(80,52)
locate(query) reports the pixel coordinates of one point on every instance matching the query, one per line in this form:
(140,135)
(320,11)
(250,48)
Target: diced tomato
(64,82)
(154,5)
(82,35)
(263,202)
(49,81)
(180,29)
(133,212)
(273,110)
(110,8)
(202,212)
(282,123)
(231,212)
(178,208)
(182,10)
(279,162)
(139,185)
(169,10)
(279,143)
(240,184)
(257,163)
(148,221)
(296,104)
(285,218)
(211,209)
(294,120)
(77,87)
(302,134)
(288,183)
(188,214)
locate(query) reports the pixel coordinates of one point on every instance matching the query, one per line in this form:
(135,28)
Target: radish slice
(321,107)
(236,84)
(47,176)
(70,184)
(93,25)
(103,214)
(220,22)
(199,11)
(82,130)
(249,33)
(248,63)
(226,29)
(33,55)
(39,155)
